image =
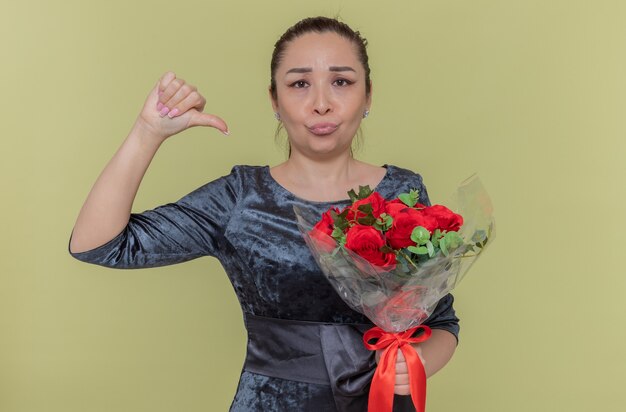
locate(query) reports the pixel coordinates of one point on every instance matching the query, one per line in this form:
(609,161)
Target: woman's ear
(369,97)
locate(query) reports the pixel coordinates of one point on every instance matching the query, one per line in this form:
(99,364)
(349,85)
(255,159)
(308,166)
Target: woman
(305,349)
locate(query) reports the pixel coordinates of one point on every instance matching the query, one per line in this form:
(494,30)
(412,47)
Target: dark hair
(319,24)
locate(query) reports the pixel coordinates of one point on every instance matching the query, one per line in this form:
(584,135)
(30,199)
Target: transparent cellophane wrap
(404,297)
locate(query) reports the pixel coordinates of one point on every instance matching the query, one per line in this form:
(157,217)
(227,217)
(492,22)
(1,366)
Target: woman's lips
(322,129)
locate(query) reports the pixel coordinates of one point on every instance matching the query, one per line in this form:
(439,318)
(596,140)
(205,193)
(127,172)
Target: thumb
(206,119)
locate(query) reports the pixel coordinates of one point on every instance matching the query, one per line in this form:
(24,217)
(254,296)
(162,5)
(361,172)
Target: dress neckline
(280,187)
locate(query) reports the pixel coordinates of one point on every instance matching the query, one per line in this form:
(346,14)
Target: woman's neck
(323,181)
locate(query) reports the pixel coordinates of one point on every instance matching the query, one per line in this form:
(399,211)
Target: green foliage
(367,208)
(337,234)
(420,235)
(411,198)
(453,239)
(367,220)
(364,191)
(384,222)
(431,249)
(449,242)
(340,220)
(427,249)
(443,246)
(435,238)
(419,250)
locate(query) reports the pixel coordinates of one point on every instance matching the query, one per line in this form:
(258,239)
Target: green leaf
(407,199)
(367,220)
(411,198)
(420,235)
(353,196)
(435,238)
(453,240)
(340,220)
(384,222)
(367,208)
(443,246)
(422,250)
(337,233)
(387,221)
(431,249)
(364,191)
(342,224)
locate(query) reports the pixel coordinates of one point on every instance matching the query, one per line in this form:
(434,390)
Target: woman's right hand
(173,106)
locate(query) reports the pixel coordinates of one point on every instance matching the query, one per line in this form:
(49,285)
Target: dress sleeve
(444,316)
(172,233)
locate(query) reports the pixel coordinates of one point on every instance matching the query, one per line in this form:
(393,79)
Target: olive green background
(528,94)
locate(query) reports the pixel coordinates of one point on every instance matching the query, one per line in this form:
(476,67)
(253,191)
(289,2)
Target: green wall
(528,94)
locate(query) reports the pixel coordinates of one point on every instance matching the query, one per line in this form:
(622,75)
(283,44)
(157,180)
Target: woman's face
(320,88)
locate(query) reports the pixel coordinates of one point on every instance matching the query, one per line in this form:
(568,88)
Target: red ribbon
(382,387)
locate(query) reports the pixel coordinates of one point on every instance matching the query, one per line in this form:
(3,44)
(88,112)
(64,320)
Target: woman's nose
(322,103)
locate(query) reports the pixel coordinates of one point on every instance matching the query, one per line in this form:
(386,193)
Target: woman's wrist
(145,136)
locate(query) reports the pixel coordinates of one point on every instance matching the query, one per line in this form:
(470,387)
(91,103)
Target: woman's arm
(106,212)
(108,206)
(437,351)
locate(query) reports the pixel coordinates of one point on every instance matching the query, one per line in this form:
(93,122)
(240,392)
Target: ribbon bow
(383,382)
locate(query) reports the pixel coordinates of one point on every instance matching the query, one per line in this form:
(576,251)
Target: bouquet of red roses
(393,260)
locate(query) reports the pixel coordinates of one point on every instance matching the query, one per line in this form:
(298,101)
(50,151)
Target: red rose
(404,221)
(396,205)
(366,242)
(323,229)
(446,219)
(326,224)
(375,199)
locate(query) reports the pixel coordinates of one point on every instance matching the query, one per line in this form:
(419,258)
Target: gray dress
(305,349)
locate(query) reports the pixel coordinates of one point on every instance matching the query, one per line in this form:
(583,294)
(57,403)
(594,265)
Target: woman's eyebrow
(331,68)
(341,69)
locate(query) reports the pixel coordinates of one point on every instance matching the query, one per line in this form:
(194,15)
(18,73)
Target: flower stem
(407,258)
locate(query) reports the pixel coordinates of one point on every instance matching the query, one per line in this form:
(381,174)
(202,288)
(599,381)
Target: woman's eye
(343,82)
(299,84)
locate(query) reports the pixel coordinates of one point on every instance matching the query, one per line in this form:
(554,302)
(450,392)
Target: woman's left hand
(402,372)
